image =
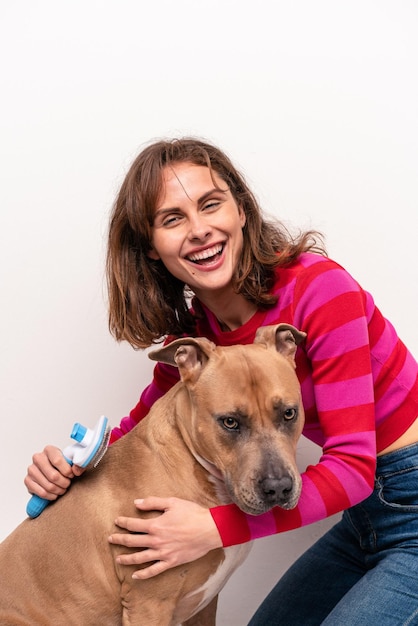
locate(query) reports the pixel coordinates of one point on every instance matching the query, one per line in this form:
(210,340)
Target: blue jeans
(364,571)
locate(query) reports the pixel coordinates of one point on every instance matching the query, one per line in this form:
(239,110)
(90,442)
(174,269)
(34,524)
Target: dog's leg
(205,617)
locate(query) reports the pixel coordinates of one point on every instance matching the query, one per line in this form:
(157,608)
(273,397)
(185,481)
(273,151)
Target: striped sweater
(359,389)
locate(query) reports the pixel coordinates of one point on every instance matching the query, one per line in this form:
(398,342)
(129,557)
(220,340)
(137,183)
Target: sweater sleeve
(334,368)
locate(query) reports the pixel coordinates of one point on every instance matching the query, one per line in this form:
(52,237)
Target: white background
(315,101)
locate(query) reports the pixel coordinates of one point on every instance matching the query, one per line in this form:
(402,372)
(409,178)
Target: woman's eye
(171,220)
(230,423)
(211,205)
(290,414)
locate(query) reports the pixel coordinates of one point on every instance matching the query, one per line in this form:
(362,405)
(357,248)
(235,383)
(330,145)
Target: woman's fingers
(50,474)
(183,532)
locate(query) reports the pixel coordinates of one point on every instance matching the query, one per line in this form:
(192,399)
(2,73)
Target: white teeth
(205,254)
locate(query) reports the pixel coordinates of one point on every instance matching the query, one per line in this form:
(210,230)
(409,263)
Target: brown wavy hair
(146,302)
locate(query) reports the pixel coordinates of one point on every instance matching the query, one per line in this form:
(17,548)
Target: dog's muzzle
(268,492)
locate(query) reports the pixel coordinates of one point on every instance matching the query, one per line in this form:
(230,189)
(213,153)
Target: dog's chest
(234,557)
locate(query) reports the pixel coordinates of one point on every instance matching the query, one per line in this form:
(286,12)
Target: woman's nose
(199,228)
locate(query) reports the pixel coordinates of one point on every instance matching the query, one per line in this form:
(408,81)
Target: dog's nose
(276,489)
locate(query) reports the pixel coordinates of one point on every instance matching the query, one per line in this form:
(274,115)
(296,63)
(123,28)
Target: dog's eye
(290,414)
(230,423)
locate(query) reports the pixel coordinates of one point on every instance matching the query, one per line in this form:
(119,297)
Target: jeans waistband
(406,456)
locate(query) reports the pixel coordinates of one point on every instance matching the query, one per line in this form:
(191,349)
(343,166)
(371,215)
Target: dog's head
(246,413)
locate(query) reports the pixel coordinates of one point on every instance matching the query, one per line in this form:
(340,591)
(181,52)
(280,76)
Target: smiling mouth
(208,256)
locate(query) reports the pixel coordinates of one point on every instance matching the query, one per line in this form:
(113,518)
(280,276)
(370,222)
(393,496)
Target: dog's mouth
(207,256)
(258,500)
(257,506)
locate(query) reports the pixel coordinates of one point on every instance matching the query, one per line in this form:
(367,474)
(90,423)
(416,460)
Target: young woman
(190,253)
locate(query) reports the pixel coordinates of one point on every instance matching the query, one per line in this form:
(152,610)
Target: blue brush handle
(37,504)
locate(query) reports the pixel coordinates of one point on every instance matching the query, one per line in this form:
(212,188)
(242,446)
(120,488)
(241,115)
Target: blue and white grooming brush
(89,449)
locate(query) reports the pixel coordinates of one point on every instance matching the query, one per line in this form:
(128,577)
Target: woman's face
(197,230)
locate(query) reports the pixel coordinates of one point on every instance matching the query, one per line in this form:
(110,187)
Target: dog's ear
(285,338)
(189,354)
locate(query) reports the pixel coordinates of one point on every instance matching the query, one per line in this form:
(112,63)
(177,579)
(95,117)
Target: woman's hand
(50,474)
(184,532)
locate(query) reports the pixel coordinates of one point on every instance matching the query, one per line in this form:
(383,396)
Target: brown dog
(227,432)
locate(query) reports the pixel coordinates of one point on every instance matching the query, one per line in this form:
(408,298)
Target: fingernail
(138,501)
